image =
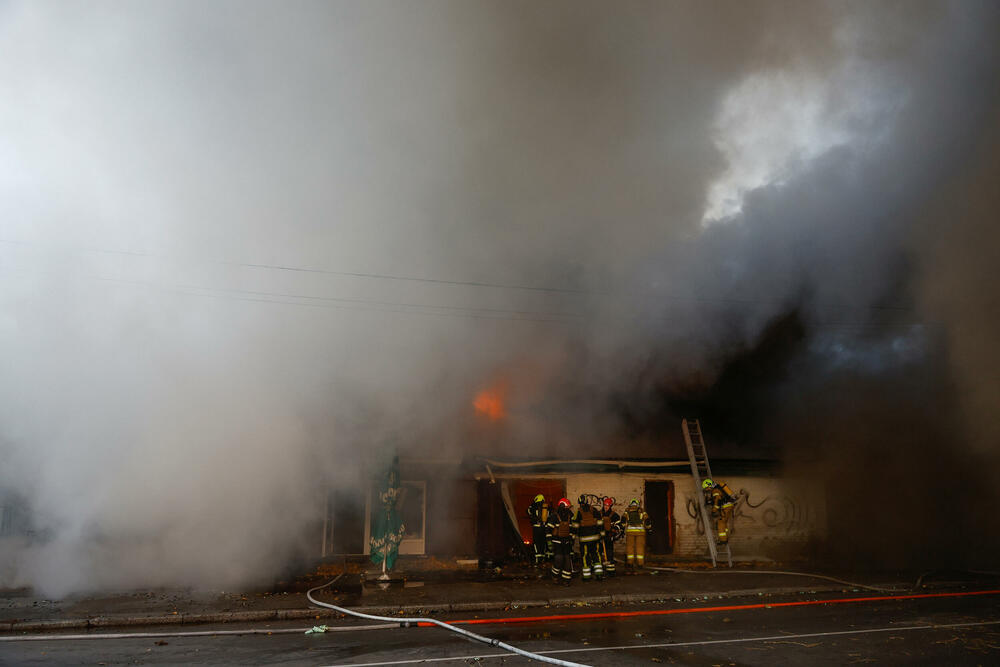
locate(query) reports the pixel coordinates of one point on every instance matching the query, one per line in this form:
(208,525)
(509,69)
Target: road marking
(708,642)
(702,610)
(194,633)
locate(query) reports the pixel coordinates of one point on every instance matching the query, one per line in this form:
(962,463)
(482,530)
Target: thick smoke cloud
(758,213)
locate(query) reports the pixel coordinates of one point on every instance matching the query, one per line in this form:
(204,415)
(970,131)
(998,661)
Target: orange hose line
(702,610)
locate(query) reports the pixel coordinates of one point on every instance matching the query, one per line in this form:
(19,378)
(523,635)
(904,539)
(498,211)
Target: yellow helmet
(707,483)
(539,498)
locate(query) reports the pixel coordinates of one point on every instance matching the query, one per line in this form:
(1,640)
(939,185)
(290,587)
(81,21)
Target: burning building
(477,508)
(474,506)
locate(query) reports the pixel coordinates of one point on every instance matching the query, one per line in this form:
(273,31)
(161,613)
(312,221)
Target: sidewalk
(425,593)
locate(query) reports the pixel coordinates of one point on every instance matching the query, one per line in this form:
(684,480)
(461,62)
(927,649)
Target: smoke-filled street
(450,290)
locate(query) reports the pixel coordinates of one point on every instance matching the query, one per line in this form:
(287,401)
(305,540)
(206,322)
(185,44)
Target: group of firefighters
(555,531)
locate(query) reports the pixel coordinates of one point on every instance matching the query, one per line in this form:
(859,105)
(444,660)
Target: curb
(526,604)
(584,599)
(103,622)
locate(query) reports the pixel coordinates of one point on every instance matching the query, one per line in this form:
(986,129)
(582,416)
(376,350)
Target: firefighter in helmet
(637,524)
(560,525)
(720,501)
(609,522)
(538,512)
(590,529)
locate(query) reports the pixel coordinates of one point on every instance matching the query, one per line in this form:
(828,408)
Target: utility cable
(364,305)
(408,622)
(533,316)
(302,269)
(643,294)
(357,303)
(371,305)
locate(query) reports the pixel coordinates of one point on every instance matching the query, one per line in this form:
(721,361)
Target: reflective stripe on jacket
(588,524)
(636,521)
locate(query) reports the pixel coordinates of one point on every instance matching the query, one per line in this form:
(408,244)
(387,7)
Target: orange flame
(489,403)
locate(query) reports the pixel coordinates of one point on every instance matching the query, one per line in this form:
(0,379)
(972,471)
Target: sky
(246,247)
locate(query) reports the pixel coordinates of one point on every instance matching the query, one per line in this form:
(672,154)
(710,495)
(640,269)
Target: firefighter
(720,500)
(538,512)
(560,525)
(610,520)
(590,529)
(636,526)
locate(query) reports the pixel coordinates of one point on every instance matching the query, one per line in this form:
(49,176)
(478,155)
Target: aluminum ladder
(700,469)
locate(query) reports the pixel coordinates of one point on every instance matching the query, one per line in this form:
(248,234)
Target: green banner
(387,527)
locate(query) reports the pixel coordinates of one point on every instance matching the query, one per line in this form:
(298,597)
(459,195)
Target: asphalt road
(881,632)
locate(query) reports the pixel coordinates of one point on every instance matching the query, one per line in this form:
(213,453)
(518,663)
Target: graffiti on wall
(693,507)
(781,514)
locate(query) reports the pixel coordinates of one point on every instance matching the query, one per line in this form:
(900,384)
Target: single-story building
(476,507)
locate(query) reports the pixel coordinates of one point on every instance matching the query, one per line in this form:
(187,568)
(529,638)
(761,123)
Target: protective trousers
(591,560)
(538,539)
(562,560)
(635,548)
(608,555)
(723,522)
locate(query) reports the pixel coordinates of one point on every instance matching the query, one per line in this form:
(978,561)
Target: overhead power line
(443,281)
(431,310)
(358,304)
(329,272)
(313,301)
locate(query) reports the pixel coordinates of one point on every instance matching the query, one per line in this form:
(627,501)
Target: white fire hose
(794,574)
(407,622)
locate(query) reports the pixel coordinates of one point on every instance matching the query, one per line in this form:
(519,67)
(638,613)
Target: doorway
(660,507)
(523,491)
(346,533)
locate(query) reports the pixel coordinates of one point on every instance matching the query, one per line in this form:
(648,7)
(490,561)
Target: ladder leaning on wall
(700,469)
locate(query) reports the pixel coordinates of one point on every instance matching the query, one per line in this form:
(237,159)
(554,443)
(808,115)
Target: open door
(523,491)
(660,507)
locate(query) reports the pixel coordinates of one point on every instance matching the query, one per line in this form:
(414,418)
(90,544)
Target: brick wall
(775,518)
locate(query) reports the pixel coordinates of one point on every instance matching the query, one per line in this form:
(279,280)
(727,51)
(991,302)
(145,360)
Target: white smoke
(243,244)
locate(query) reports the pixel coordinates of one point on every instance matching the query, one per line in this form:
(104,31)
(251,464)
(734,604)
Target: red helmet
(563,502)
(608,502)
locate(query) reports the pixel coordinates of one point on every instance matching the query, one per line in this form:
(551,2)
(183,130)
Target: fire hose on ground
(793,574)
(852,584)
(409,622)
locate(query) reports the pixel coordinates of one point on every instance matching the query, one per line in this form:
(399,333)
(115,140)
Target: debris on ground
(317,629)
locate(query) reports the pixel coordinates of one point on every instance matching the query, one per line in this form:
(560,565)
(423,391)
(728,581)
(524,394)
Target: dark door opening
(347,522)
(490,541)
(496,537)
(660,507)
